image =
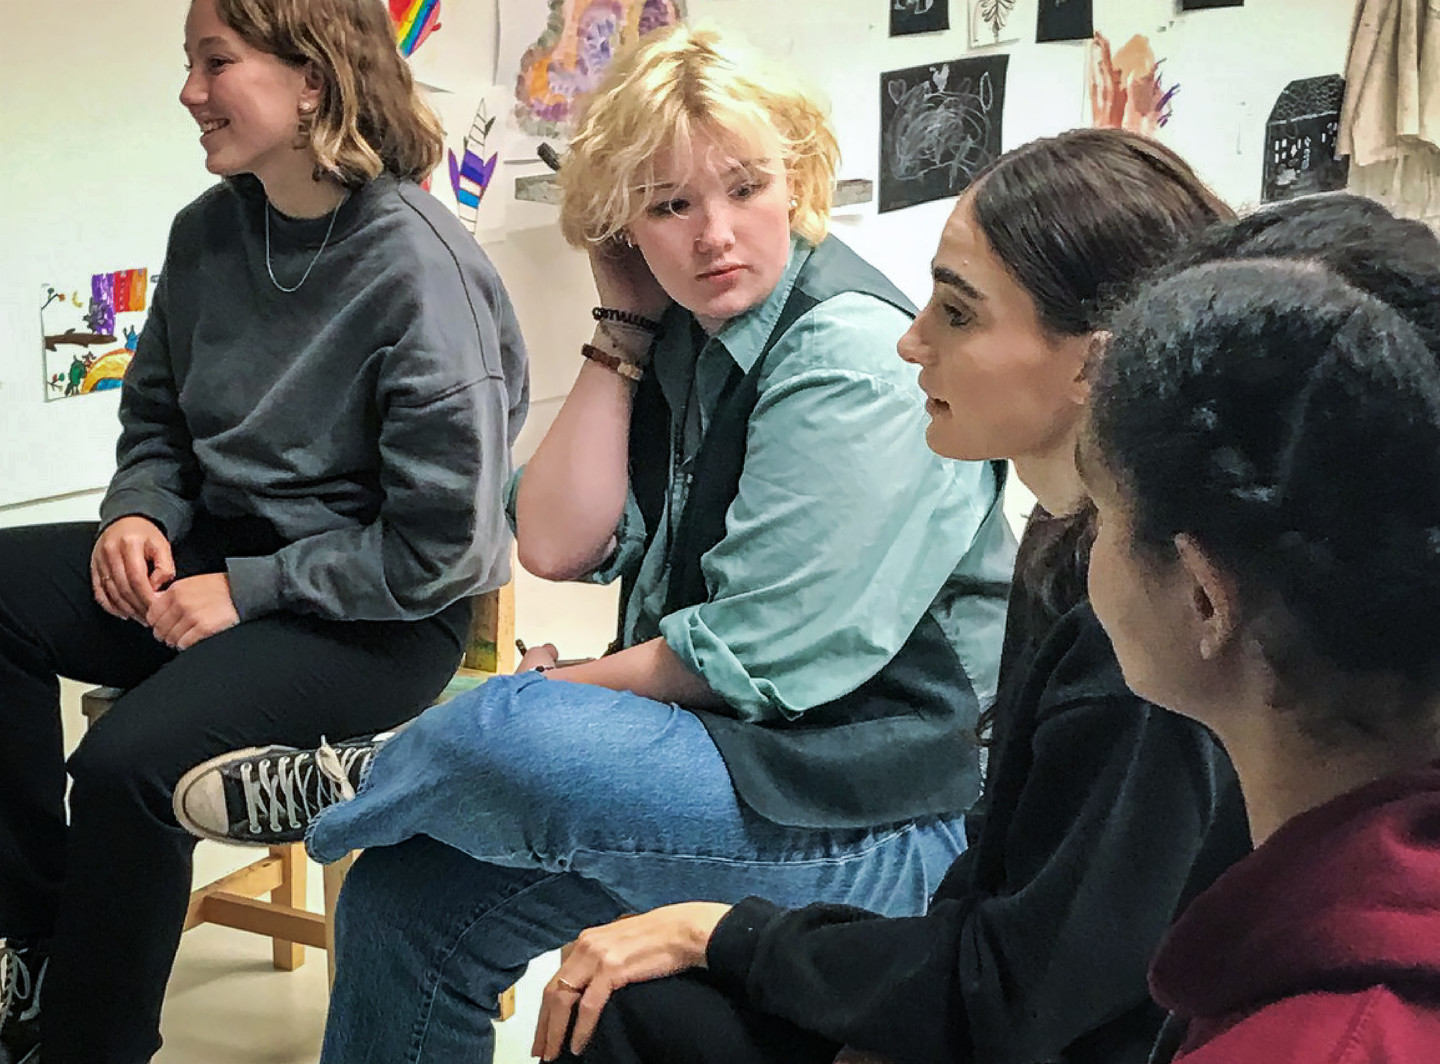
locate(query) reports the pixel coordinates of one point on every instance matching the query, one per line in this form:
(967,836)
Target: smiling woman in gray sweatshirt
(316,431)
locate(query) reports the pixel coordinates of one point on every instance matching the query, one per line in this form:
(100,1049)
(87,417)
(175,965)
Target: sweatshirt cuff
(170,514)
(254,585)
(733,944)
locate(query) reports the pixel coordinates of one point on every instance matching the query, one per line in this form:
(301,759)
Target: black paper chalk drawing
(1300,137)
(939,127)
(1064,20)
(918,16)
(1201,5)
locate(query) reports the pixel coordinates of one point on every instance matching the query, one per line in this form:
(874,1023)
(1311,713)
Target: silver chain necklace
(270,269)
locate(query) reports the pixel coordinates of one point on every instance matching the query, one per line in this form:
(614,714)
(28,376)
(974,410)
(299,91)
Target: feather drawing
(995,14)
(470,175)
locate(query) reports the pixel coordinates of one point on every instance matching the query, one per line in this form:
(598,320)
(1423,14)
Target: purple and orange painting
(580,39)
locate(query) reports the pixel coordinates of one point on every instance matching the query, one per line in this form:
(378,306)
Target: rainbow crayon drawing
(414,21)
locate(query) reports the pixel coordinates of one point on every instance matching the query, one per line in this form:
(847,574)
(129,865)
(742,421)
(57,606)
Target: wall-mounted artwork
(89,330)
(472,171)
(414,21)
(918,16)
(992,22)
(1064,20)
(1300,138)
(939,127)
(1201,5)
(564,56)
(1126,88)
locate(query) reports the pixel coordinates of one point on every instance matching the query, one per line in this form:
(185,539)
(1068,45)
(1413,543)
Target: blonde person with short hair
(315,437)
(813,600)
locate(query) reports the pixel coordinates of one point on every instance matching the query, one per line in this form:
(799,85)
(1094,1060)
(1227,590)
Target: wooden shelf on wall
(541,188)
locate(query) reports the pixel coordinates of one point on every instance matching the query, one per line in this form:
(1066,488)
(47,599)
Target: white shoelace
(289,789)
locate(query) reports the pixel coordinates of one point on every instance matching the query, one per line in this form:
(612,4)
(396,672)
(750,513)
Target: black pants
(687,1019)
(110,888)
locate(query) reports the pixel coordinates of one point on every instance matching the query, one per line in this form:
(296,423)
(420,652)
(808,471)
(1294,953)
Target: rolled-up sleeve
(845,527)
(630,535)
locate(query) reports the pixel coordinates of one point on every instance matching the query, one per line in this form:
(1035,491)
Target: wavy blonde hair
(370,119)
(659,94)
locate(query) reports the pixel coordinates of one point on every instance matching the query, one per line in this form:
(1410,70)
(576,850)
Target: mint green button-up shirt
(846,528)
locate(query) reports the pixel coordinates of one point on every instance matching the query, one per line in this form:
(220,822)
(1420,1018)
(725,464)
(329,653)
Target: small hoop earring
(626,238)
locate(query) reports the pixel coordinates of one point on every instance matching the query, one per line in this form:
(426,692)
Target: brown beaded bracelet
(626,317)
(628,370)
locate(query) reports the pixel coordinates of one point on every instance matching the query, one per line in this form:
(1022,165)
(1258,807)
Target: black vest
(896,748)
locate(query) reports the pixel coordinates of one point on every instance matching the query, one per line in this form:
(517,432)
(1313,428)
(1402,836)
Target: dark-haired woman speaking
(1103,814)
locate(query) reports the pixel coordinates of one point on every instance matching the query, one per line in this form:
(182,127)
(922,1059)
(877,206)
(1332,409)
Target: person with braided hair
(1263,451)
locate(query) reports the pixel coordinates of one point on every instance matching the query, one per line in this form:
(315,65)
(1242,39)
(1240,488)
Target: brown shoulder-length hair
(370,119)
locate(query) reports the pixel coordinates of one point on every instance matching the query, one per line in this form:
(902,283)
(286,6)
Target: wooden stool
(235,900)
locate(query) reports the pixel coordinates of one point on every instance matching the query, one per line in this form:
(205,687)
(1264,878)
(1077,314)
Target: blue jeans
(504,822)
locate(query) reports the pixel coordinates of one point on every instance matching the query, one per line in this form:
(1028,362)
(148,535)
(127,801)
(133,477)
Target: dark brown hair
(370,119)
(1078,220)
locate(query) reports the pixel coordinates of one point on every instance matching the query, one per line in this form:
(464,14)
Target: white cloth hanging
(1390,122)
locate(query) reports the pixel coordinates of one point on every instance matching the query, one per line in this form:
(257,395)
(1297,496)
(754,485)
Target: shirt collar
(744,335)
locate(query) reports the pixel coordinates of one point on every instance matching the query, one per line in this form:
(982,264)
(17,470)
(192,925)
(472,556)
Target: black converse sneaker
(267,795)
(22,975)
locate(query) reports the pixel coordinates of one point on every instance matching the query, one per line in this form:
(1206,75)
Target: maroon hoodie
(1321,947)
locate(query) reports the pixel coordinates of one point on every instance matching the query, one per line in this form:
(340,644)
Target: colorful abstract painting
(579,40)
(1126,87)
(90,330)
(414,21)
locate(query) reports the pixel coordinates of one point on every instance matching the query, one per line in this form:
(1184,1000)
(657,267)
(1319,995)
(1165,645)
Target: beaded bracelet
(628,370)
(626,317)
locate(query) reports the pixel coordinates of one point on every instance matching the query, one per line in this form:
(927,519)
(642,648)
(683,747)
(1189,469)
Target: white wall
(98,155)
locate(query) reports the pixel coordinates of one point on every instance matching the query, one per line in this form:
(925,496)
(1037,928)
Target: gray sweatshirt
(368,416)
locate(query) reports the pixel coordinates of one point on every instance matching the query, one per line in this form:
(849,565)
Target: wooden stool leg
(291,894)
(334,875)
